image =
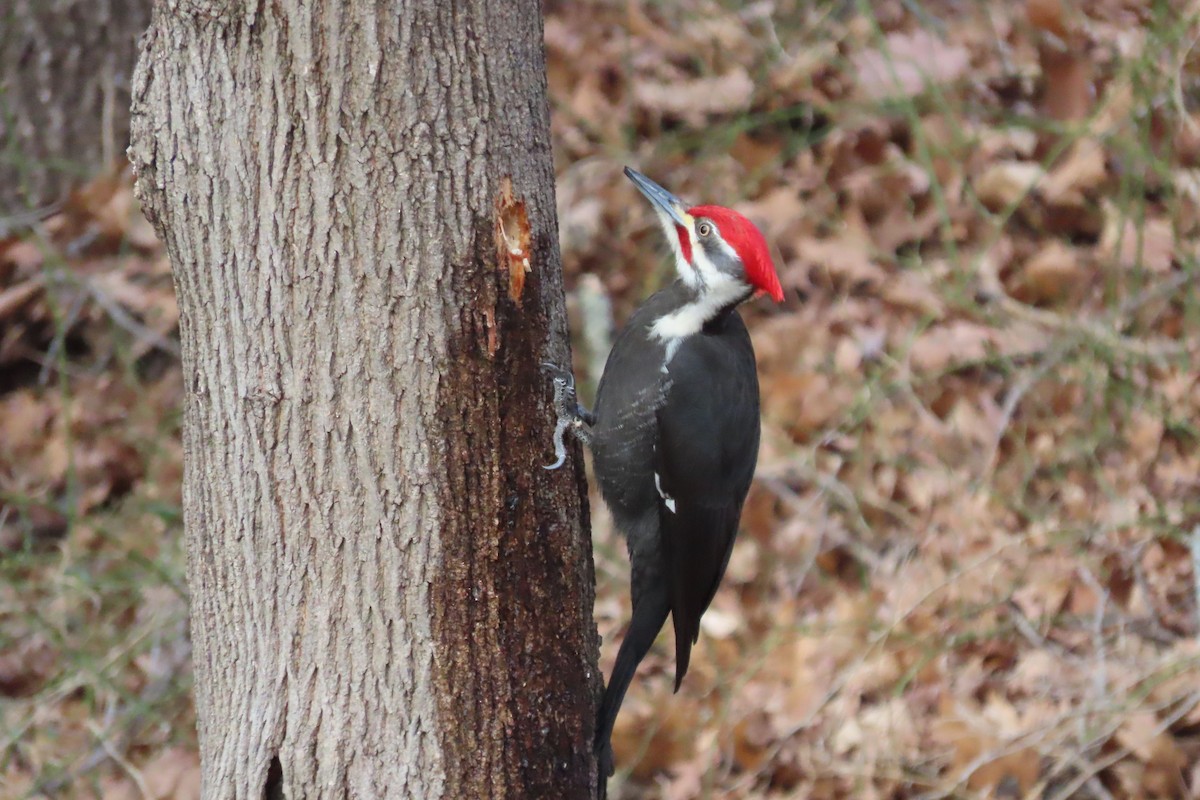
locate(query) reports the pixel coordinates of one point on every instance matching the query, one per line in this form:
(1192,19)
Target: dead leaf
(1043,595)
(803,402)
(1149,246)
(695,99)
(1052,274)
(941,347)
(24,420)
(661,736)
(1048,16)
(107,469)
(1005,184)
(907,63)
(975,734)
(174,775)
(1144,432)
(26,665)
(35,526)
(914,292)
(14,298)
(1067,92)
(777,212)
(1141,732)
(752,739)
(1078,176)
(846,260)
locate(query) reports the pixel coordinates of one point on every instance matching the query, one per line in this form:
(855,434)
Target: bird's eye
(704,229)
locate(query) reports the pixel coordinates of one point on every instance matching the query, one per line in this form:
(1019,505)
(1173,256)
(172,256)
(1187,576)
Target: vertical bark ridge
(389,595)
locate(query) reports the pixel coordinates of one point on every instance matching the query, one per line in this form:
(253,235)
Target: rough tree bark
(390,597)
(65,68)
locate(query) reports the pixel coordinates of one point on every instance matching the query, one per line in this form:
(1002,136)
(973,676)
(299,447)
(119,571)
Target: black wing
(705,455)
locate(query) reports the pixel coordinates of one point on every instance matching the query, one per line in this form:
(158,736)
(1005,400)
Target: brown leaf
(803,402)
(25,418)
(695,99)
(973,738)
(845,259)
(914,292)
(36,525)
(107,468)
(1047,15)
(1052,274)
(942,346)
(22,256)
(1043,595)
(907,63)
(752,739)
(1144,433)
(1129,245)
(26,665)
(1067,91)
(662,736)
(1005,184)
(174,775)
(1163,760)
(777,212)
(1078,176)
(15,298)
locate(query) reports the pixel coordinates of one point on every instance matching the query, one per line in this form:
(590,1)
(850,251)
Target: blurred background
(968,564)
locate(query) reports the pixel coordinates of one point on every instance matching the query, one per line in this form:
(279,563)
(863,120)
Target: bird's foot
(570,413)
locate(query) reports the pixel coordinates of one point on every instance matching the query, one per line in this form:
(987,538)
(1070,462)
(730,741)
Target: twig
(27,219)
(50,362)
(1102,330)
(1012,399)
(1194,548)
(596,311)
(123,319)
(842,494)
(1096,768)
(14,297)
(114,752)
(128,725)
(789,496)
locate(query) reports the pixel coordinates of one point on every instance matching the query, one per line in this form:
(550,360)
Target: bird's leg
(571,415)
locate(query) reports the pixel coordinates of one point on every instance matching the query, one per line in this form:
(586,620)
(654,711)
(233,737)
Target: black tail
(649,616)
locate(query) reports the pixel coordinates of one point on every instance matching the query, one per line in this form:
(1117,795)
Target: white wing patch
(668,501)
(672,347)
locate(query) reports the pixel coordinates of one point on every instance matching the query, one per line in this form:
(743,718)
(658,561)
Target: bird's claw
(560,447)
(564,403)
(551,367)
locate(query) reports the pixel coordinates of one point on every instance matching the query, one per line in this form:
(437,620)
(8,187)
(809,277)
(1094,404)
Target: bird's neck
(699,307)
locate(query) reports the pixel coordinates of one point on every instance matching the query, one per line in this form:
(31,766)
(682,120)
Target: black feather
(674,444)
(708,432)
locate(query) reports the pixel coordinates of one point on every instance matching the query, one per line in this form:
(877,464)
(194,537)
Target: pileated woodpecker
(674,434)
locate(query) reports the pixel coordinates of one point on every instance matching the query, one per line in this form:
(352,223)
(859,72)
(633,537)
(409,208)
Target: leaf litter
(964,567)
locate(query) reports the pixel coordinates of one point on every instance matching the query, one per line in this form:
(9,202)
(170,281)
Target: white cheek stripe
(709,274)
(682,268)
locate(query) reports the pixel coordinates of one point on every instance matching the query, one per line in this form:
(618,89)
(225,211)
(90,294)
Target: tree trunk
(65,69)
(390,597)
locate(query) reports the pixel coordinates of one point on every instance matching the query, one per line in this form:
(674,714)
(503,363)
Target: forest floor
(967,566)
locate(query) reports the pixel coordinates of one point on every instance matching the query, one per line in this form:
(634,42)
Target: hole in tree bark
(274,788)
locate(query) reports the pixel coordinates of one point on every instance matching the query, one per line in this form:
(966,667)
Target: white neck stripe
(690,318)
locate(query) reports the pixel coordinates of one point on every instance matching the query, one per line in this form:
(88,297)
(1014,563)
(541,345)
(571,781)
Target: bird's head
(714,246)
